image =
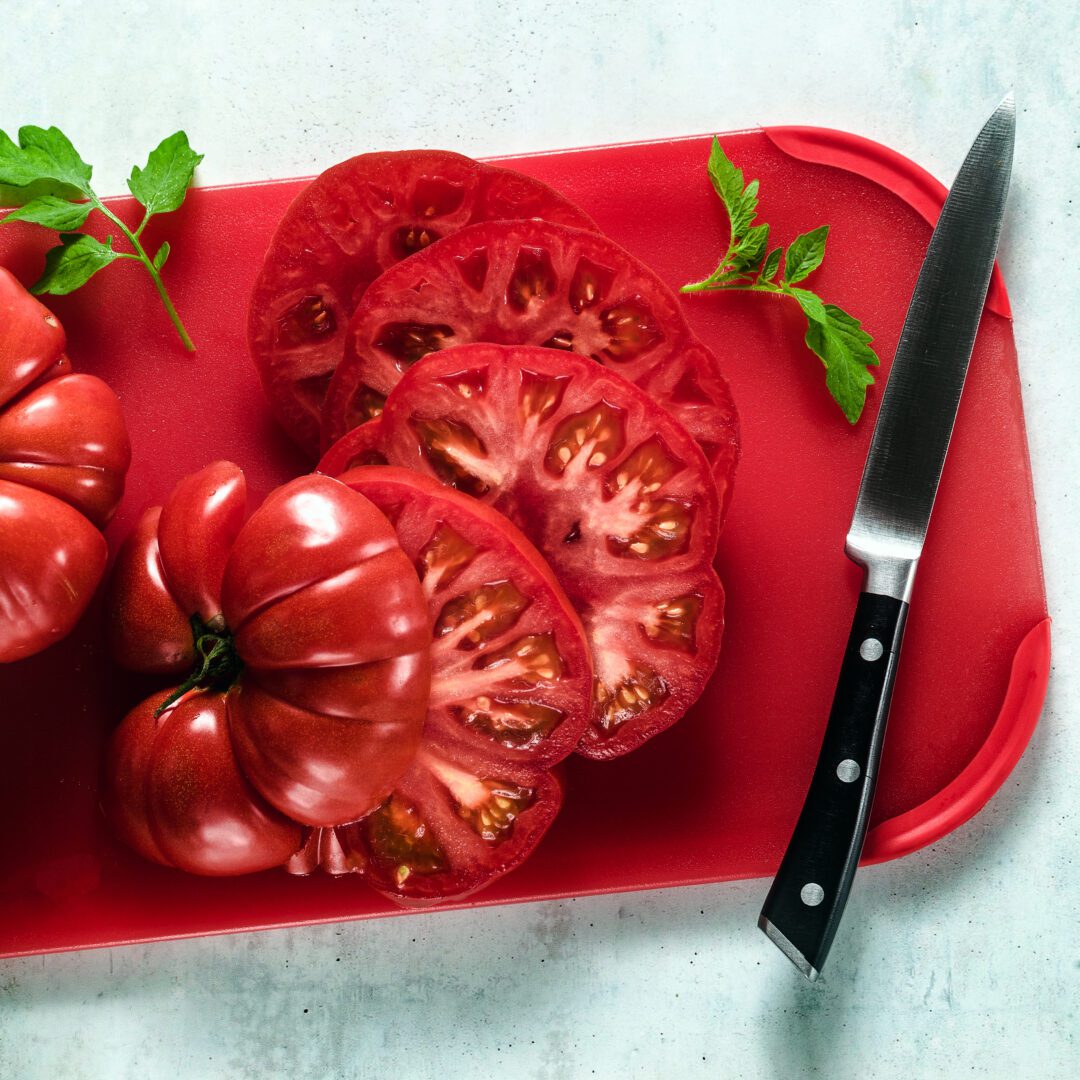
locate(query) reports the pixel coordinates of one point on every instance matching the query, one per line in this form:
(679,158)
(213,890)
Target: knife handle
(807,898)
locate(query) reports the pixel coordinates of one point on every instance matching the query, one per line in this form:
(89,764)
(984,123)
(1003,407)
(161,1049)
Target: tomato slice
(534,283)
(345,228)
(510,666)
(455,822)
(361,446)
(610,488)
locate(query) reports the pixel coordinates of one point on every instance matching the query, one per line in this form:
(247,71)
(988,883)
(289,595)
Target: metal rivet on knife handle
(871,649)
(848,771)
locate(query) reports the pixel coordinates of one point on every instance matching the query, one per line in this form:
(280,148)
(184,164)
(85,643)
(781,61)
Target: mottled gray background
(960,960)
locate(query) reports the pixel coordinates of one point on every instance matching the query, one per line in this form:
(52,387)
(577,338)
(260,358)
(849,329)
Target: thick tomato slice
(361,446)
(307,618)
(344,229)
(534,283)
(456,821)
(510,667)
(612,491)
(174,793)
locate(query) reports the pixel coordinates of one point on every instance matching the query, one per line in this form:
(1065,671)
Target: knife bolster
(889,564)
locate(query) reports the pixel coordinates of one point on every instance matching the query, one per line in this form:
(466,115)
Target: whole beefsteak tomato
(64,453)
(305,632)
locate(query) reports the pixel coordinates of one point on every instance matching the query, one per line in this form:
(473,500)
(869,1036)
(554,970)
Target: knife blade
(896,497)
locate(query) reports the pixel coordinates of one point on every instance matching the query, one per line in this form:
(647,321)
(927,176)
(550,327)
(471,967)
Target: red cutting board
(714,798)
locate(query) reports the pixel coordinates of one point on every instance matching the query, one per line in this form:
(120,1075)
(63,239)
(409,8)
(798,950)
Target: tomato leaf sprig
(833,335)
(49,182)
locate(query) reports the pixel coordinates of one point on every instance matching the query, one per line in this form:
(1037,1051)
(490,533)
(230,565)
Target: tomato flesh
(612,491)
(456,822)
(346,227)
(534,283)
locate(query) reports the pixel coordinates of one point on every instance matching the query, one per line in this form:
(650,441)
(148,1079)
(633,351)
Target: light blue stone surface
(961,960)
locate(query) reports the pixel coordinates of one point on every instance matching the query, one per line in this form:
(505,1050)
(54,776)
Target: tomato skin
(31,337)
(67,438)
(345,228)
(51,560)
(325,770)
(174,792)
(197,530)
(322,615)
(64,453)
(148,631)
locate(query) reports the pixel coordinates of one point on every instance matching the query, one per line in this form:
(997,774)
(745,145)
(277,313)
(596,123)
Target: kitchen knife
(900,479)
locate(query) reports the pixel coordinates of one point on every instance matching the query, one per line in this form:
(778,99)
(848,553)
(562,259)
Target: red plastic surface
(714,798)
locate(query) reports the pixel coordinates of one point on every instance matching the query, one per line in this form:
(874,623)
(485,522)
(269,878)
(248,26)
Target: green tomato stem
(725,286)
(140,254)
(217,663)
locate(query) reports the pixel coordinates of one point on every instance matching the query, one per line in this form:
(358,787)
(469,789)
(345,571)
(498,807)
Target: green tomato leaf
(73,263)
(161,256)
(43,154)
(811,304)
(163,182)
(804,254)
(745,211)
(770,266)
(727,182)
(749,252)
(844,348)
(52,212)
(15,169)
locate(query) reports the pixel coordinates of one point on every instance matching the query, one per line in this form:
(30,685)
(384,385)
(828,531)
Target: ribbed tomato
(534,283)
(612,491)
(64,453)
(511,694)
(307,619)
(344,229)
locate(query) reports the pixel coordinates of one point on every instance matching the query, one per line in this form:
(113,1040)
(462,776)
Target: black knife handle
(807,898)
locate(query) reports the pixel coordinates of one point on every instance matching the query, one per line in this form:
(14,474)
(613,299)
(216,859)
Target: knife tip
(1008,103)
